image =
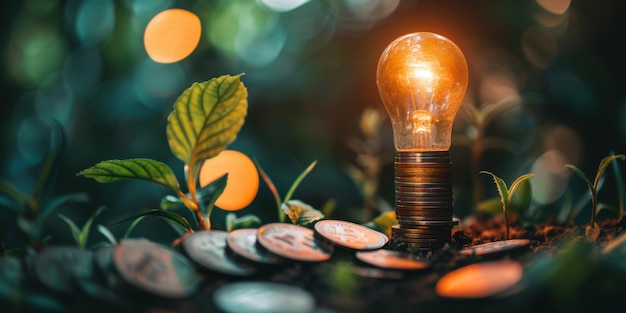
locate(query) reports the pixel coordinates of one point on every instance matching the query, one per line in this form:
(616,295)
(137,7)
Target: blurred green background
(555,67)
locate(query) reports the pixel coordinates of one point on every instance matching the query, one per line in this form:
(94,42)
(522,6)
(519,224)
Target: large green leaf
(145,169)
(206,118)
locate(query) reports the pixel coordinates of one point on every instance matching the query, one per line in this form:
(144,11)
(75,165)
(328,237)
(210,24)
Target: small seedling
(205,119)
(81,235)
(506,194)
(593,230)
(31,210)
(299,212)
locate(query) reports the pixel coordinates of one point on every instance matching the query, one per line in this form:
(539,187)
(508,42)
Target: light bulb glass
(422,78)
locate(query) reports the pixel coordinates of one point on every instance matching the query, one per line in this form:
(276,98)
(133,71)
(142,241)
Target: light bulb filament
(422,121)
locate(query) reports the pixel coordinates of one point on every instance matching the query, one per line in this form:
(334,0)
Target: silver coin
(59,268)
(293,242)
(350,235)
(244,243)
(208,249)
(155,268)
(263,297)
(495,247)
(392,260)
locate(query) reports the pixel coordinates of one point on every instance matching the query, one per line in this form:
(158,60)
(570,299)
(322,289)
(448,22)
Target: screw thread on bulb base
(423,188)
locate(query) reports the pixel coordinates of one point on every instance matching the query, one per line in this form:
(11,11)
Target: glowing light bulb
(422,78)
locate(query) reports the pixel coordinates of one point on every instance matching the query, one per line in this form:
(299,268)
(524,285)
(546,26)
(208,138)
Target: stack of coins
(423,185)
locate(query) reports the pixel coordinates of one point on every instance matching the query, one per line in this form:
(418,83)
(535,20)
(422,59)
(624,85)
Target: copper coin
(208,249)
(293,242)
(350,235)
(495,247)
(427,223)
(244,243)
(480,280)
(263,297)
(155,268)
(392,260)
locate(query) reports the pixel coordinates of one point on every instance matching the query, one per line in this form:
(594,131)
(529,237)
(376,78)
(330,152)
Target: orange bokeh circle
(243,178)
(172,35)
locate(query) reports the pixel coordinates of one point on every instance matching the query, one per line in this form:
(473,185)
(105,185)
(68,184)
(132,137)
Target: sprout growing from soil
(506,194)
(593,230)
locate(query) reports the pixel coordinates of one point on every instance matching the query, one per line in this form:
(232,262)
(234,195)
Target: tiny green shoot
(506,194)
(593,230)
(81,235)
(299,212)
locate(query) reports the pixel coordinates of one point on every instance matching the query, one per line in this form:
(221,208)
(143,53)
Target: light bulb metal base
(423,188)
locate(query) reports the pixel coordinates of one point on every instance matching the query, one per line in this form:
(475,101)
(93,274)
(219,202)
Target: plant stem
(593,207)
(506,223)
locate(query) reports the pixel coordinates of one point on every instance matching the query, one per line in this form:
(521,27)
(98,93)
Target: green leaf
(132,226)
(56,144)
(210,193)
(144,169)
(205,119)
(603,164)
(170,202)
(621,189)
(59,202)
(107,234)
(301,213)
(503,190)
(516,184)
(178,220)
(74,229)
(272,187)
(581,175)
(298,180)
(247,221)
(13,194)
(493,205)
(84,233)
(383,223)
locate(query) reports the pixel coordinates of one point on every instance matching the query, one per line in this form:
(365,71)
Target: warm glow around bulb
(243,178)
(172,35)
(422,78)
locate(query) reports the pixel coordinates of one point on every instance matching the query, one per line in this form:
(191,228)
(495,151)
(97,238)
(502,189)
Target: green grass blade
(297,182)
(170,216)
(583,176)
(516,184)
(205,119)
(107,234)
(272,187)
(503,190)
(56,144)
(143,169)
(84,232)
(603,164)
(73,228)
(13,194)
(621,190)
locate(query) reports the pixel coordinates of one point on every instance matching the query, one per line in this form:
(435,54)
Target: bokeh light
(172,35)
(243,178)
(283,5)
(95,20)
(551,177)
(555,6)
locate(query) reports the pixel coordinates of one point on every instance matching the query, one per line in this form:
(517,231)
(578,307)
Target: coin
(155,268)
(350,235)
(392,260)
(293,242)
(263,297)
(208,249)
(495,247)
(60,268)
(244,243)
(480,280)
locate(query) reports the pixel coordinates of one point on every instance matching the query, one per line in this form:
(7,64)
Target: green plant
(81,235)
(506,194)
(593,230)
(299,212)
(476,139)
(31,210)
(205,119)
